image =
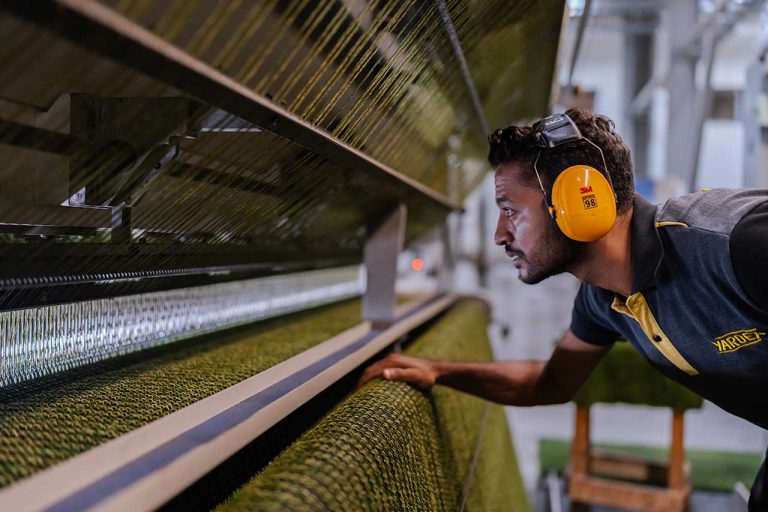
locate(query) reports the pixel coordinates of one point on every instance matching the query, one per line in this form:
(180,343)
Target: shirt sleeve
(585,324)
(749,254)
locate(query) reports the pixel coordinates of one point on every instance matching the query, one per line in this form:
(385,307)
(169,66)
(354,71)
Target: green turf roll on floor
(391,447)
(640,382)
(45,423)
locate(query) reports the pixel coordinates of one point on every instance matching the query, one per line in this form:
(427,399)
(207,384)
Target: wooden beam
(600,491)
(628,467)
(580,449)
(677,452)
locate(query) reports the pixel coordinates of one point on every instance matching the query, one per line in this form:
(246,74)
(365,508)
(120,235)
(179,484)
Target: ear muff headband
(583,199)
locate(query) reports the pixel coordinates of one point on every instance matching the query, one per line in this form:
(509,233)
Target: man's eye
(508,212)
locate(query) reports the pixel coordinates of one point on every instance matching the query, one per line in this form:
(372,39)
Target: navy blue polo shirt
(698,310)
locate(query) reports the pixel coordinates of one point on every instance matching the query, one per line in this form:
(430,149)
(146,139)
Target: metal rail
(46,340)
(102,30)
(466,75)
(149,466)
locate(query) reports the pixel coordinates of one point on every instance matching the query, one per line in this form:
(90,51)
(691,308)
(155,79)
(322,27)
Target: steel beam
(103,31)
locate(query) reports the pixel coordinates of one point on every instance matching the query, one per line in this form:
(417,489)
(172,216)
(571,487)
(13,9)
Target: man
(686,283)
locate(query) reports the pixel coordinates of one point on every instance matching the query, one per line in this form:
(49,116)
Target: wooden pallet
(652,487)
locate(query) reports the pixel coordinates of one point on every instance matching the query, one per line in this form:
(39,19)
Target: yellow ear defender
(583,204)
(583,199)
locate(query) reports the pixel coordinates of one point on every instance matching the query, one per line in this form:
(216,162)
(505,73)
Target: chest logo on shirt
(735,340)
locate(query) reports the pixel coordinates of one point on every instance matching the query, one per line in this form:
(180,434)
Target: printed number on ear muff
(583,203)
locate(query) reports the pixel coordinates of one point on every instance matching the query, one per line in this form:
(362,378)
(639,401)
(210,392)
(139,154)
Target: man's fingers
(415,376)
(373,371)
(395,363)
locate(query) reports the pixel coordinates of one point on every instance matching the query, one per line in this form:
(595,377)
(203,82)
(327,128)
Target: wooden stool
(585,489)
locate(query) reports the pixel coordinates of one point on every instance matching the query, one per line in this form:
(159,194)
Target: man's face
(526,231)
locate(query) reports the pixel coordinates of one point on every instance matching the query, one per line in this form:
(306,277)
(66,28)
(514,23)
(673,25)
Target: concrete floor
(528,320)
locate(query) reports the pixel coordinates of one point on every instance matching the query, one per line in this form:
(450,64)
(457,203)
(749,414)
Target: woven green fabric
(625,376)
(40,427)
(391,447)
(498,484)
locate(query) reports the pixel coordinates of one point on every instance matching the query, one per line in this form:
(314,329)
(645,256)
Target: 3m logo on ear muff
(585,190)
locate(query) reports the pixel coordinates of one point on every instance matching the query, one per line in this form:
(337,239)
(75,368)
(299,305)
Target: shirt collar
(645,246)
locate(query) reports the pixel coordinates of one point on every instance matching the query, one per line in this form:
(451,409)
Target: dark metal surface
(144,138)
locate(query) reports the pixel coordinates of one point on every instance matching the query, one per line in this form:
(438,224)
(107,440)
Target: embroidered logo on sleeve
(735,340)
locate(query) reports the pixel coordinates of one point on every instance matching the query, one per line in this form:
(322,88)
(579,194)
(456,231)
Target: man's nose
(502,236)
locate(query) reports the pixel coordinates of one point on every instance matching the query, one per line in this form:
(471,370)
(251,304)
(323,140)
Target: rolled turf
(389,446)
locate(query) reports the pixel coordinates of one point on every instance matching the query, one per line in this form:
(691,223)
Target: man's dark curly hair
(519,144)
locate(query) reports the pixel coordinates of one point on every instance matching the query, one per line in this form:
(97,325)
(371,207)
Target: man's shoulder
(716,210)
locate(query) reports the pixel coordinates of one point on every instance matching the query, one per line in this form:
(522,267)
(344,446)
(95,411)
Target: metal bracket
(152,165)
(380,258)
(129,136)
(121,225)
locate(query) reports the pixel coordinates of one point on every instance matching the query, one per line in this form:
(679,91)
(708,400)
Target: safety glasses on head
(583,200)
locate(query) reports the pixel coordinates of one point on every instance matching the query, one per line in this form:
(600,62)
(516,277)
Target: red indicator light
(417,264)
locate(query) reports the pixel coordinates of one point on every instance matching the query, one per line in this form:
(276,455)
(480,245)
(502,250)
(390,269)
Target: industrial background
(215,214)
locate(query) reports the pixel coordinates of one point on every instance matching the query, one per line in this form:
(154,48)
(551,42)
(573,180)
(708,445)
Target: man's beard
(555,254)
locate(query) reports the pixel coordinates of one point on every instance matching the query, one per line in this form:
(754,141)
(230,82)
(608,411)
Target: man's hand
(504,382)
(422,373)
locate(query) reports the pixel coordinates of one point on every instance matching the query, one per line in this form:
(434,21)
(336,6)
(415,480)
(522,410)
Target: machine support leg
(121,224)
(380,258)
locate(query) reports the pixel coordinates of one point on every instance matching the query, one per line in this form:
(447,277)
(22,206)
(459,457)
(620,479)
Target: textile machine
(201,208)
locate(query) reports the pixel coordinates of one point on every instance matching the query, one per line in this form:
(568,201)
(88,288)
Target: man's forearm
(519,383)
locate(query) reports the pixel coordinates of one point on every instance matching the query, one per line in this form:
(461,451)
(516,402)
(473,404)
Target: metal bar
(380,258)
(64,216)
(579,38)
(49,291)
(147,467)
(681,85)
(702,106)
(46,340)
(67,265)
(642,100)
(466,75)
(40,139)
(102,30)
(554,493)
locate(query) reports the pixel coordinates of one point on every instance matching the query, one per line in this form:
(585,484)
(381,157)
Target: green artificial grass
(42,424)
(710,470)
(391,447)
(625,376)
